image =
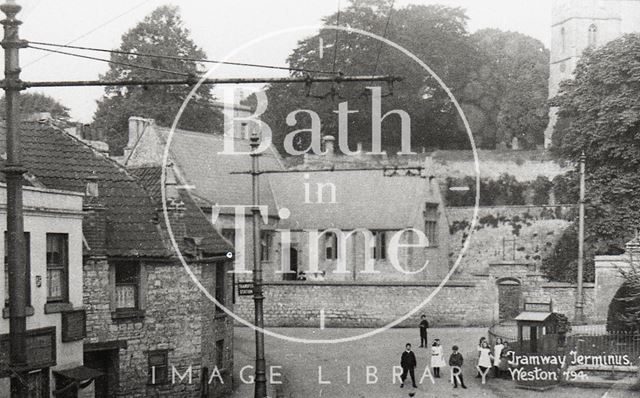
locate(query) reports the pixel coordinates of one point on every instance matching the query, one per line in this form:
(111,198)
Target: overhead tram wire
(384,36)
(184,59)
(112,62)
(102,25)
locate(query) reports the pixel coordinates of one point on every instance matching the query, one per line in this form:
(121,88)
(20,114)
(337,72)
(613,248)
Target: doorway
(107,362)
(509,298)
(293,266)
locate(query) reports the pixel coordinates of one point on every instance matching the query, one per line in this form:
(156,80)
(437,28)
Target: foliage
(512,64)
(561,263)
(563,324)
(599,114)
(506,190)
(624,309)
(37,102)
(162,32)
(438,35)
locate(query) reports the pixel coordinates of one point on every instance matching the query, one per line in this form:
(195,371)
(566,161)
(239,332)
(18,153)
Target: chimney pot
(329,142)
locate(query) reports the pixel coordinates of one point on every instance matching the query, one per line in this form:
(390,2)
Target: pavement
(340,369)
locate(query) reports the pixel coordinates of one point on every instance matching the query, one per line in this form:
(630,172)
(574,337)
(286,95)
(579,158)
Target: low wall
(369,304)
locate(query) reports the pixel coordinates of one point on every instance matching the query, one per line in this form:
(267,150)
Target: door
(105,361)
(293,262)
(509,298)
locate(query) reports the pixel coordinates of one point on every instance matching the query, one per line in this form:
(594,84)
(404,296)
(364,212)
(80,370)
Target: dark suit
(424,325)
(408,363)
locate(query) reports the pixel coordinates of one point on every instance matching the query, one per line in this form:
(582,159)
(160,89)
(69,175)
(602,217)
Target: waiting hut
(542,321)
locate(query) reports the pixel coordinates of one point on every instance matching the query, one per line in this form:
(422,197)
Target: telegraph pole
(579,318)
(258,298)
(14,171)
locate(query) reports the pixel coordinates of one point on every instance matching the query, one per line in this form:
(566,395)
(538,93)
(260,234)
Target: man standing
(424,325)
(408,363)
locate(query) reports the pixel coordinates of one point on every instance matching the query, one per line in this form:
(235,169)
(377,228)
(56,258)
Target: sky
(219,27)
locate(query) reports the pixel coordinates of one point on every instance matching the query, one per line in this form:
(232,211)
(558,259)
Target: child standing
(456,361)
(437,358)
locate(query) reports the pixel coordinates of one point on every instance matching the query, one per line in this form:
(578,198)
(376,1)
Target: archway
(509,298)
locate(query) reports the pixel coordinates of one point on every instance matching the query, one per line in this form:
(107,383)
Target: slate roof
(364,199)
(196,222)
(201,164)
(60,161)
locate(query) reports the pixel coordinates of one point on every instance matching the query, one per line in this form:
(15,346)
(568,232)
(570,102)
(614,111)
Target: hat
(454,348)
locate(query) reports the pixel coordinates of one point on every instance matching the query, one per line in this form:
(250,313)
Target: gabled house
(146,319)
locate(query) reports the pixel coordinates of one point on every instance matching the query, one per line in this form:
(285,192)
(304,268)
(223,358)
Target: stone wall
(505,233)
(368,304)
(177,317)
(472,302)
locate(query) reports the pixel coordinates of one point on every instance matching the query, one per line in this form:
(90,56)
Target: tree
(436,34)
(624,309)
(599,114)
(506,96)
(163,33)
(37,102)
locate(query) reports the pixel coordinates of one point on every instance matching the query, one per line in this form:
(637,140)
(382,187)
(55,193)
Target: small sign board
(538,306)
(245,288)
(41,350)
(74,325)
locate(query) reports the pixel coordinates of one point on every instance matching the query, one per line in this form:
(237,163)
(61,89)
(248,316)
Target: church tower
(577,25)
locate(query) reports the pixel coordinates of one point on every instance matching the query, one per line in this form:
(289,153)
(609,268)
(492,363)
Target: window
(380,247)
(127,286)
(266,242)
(220,354)
(57,268)
(27,244)
(593,35)
(158,367)
(220,288)
(330,246)
(431,223)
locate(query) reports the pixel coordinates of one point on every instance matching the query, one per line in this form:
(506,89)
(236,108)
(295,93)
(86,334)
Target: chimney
(94,219)
(328,141)
(137,127)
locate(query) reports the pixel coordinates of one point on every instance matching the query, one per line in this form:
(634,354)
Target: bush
(624,309)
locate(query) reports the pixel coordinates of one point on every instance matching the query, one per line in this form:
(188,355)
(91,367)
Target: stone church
(579,24)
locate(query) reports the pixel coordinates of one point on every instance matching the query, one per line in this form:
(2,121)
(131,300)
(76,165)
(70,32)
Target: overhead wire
(184,59)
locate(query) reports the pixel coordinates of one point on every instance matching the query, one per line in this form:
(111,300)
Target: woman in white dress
(485,359)
(497,354)
(437,358)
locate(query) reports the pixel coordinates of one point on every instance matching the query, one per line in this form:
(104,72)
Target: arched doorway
(509,298)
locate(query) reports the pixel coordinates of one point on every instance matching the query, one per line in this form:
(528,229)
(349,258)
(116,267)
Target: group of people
(489,358)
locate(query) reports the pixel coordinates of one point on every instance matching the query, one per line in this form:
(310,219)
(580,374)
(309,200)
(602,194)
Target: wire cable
(384,35)
(335,42)
(113,62)
(102,25)
(184,59)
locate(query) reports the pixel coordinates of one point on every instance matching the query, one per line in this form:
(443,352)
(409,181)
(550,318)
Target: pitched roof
(60,161)
(203,166)
(196,223)
(364,199)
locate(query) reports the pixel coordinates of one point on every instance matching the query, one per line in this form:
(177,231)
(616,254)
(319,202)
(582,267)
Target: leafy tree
(37,102)
(624,309)
(599,115)
(436,34)
(506,96)
(162,32)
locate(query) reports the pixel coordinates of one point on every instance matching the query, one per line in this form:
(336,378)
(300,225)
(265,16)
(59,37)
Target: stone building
(55,315)
(579,24)
(146,320)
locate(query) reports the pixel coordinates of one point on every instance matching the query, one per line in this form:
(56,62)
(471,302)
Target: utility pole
(258,298)
(579,317)
(14,171)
